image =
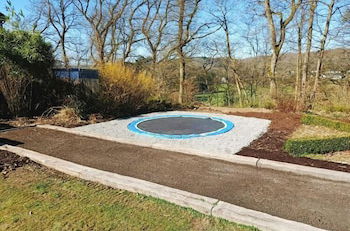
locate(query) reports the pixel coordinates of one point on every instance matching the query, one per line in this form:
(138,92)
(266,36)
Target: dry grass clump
(310,131)
(67,115)
(61,116)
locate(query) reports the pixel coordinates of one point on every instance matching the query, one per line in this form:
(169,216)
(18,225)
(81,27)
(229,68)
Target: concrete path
(320,203)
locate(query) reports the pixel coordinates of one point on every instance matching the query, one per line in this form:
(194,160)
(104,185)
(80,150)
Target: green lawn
(33,198)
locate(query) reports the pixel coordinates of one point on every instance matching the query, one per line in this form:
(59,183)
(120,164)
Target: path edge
(237,159)
(203,204)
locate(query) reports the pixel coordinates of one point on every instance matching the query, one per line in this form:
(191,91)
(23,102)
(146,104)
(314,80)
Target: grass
(325,122)
(338,157)
(310,131)
(34,198)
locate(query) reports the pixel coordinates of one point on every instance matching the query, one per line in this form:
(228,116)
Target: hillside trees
(163,33)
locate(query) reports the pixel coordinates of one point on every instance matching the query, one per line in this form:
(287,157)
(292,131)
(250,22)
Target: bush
(321,121)
(299,147)
(123,89)
(25,59)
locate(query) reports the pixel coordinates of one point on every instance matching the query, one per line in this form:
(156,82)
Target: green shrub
(321,121)
(25,61)
(299,147)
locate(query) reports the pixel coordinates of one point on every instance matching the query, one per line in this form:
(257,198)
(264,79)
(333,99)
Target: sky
(18,4)
(238,28)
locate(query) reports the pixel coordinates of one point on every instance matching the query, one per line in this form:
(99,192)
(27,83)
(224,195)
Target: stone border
(237,159)
(206,205)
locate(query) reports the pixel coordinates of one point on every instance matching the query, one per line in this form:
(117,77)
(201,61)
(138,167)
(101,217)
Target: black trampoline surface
(180,125)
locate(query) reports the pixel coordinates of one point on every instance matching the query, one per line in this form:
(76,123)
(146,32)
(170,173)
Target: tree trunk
(299,63)
(321,52)
(305,70)
(317,76)
(273,82)
(64,54)
(182,74)
(180,51)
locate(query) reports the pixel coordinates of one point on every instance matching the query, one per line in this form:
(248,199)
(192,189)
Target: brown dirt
(9,162)
(320,203)
(270,145)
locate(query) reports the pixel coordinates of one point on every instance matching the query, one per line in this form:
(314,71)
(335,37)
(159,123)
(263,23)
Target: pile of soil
(10,161)
(270,145)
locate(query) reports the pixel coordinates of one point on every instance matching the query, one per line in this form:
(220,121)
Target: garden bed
(271,144)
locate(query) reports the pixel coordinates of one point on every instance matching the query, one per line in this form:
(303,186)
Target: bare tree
(320,52)
(131,29)
(55,19)
(305,66)
(101,16)
(277,35)
(223,16)
(187,31)
(154,26)
(299,62)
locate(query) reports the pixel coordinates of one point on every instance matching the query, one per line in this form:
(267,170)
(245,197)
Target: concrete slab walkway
(320,203)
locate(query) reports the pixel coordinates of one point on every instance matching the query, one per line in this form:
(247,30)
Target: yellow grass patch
(339,157)
(310,131)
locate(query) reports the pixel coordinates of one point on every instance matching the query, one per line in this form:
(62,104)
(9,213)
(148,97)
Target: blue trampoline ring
(180,126)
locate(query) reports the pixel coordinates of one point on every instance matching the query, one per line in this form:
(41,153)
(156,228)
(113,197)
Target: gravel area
(246,129)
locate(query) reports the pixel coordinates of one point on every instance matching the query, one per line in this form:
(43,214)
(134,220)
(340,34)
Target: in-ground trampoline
(180,126)
(184,131)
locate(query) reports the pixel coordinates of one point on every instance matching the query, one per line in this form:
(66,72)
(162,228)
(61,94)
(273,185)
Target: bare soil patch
(9,162)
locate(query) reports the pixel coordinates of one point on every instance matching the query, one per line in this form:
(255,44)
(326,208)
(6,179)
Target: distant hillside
(334,59)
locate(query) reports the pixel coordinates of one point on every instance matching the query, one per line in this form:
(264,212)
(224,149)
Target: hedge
(321,121)
(299,147)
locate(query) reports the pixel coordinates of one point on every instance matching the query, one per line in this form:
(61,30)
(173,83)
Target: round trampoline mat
(180,126)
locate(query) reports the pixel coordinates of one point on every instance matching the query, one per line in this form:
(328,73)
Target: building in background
(89,77)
